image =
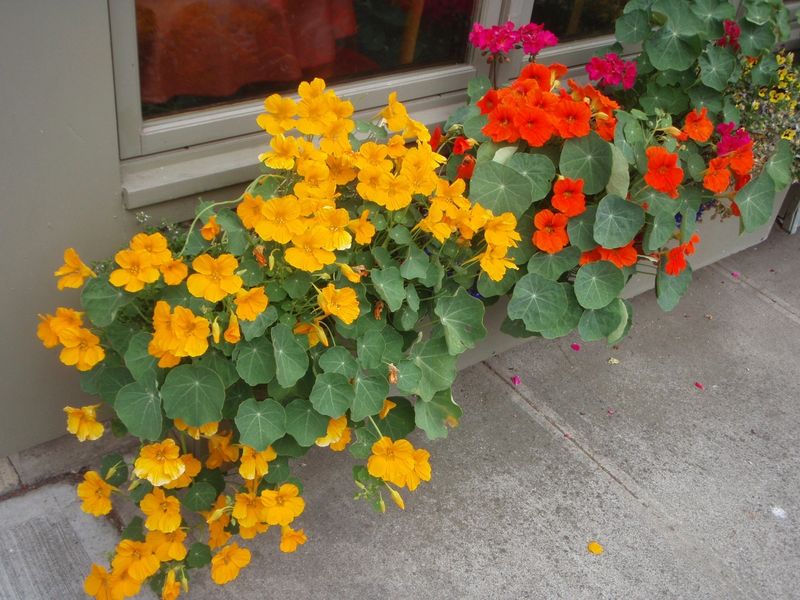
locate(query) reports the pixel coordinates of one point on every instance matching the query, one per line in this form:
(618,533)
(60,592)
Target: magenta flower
(731,35)
(612,70)
(535,38)
(730,138)
(501,39)
(516,380)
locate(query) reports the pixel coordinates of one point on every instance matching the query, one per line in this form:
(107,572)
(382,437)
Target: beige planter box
(719,239)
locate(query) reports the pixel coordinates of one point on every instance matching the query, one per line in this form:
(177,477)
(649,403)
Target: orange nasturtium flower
(159,463)
(249,210)
(102,585)
(279,116)
(233,334)
(82,422)
(226,564)
(337,435)
(534,126)
(282,505)
(135,559)
(283,153)
(220,450)
(154,246)
(663,173)
(167,546)
(421,470)
(676,262)
(214,278)
(81,348)
(313,331)
(174,271)
(171,589)
(95,493)
(73,272)
(193,467)
(205,430)
(136,270)
(698,126)
(621,257)
(551,233)
(254,464)
(251,303)
(388,405)
(50,327)
(211,229)
(391,461)
(571,118)
(291,539)
(568,196)
(342,303)
(163,512)
(717,177)
(307,253)
(362,228)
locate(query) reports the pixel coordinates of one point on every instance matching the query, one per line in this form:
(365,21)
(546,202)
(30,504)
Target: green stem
(375,425)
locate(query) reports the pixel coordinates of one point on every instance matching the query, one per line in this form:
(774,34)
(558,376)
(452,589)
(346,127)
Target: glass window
(200,53)
(572,20)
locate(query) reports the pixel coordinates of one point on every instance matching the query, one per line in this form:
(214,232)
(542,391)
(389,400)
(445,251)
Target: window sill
(170,175)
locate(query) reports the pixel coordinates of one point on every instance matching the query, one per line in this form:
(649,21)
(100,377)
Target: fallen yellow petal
(594,547)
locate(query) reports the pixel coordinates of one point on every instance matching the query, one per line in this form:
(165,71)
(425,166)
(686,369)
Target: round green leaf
(617,222)
(200,496)
(409,376)
(338,360)
(199,556)
(756,39)
(600,323)
(755,202)
(598,283)
(569,320)
(102,301)
(432,416)
(415,265)
(580,229)
(667,50)
(389,285)
(260,423)
(538,301)
(537,168)
(138,406)
(291,355)
(142,365)
(193,394)
(716,67)
(437,368)
(369,392)
(256,328)
(702,96)
(461,316)
(304,423)
(678,17)
(632,27)
(255,361)
(332,394)
(370,347)
(658,232)
(111,381)
(670,289)
(400,420)
(779,166)
(500,188)
(588,158)
(552,266)
(221,365)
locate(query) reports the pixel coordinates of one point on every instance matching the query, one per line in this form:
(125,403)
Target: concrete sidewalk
(694,493)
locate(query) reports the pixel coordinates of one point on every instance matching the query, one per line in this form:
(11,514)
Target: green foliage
(138,406)
(260,423)
(461,317)
(588,158)
(193,394)
(501,189)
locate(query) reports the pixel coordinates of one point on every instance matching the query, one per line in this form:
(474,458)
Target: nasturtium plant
(327,306)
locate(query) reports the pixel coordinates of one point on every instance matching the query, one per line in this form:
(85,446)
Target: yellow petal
(594,547)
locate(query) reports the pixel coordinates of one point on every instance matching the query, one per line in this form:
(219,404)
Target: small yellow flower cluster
(398,462)
(146,259)
(81,347)
(451,212)
(177,334)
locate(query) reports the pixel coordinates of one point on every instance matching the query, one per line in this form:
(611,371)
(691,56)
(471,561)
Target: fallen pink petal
(611,412)
(699,385)
(575,347)
(516,380)
(736,274)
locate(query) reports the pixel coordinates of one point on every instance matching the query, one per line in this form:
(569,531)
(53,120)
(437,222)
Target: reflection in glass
(199,53)
(575,19)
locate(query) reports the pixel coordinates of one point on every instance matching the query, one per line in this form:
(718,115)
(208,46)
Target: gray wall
(59,187)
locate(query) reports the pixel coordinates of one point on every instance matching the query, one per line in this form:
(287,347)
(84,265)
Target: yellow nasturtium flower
(82,422)
(135,559)
(101,584)
(174,271)
(391,460)
(167,546)
(313,331)
(251,303)
(337,436)
(163,512)
(193,467)
(73,272)
(395,114)
(248,509)
(342,303)
(282,505)
(279,116)
(284,151)
(205,430)
(154,246)
(388,405)
(211,229)
(502,231)
(171,589)
(280,220)
(214,278)
(254,465)
(495,263)
(136,270)
(226,564)
(362,228)
(81,348)
(307,253)
(291,539)
(95,494)
(249,210)
(220,450)
(159,463)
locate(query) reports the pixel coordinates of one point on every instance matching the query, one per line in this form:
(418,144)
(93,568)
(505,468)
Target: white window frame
(188,153)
